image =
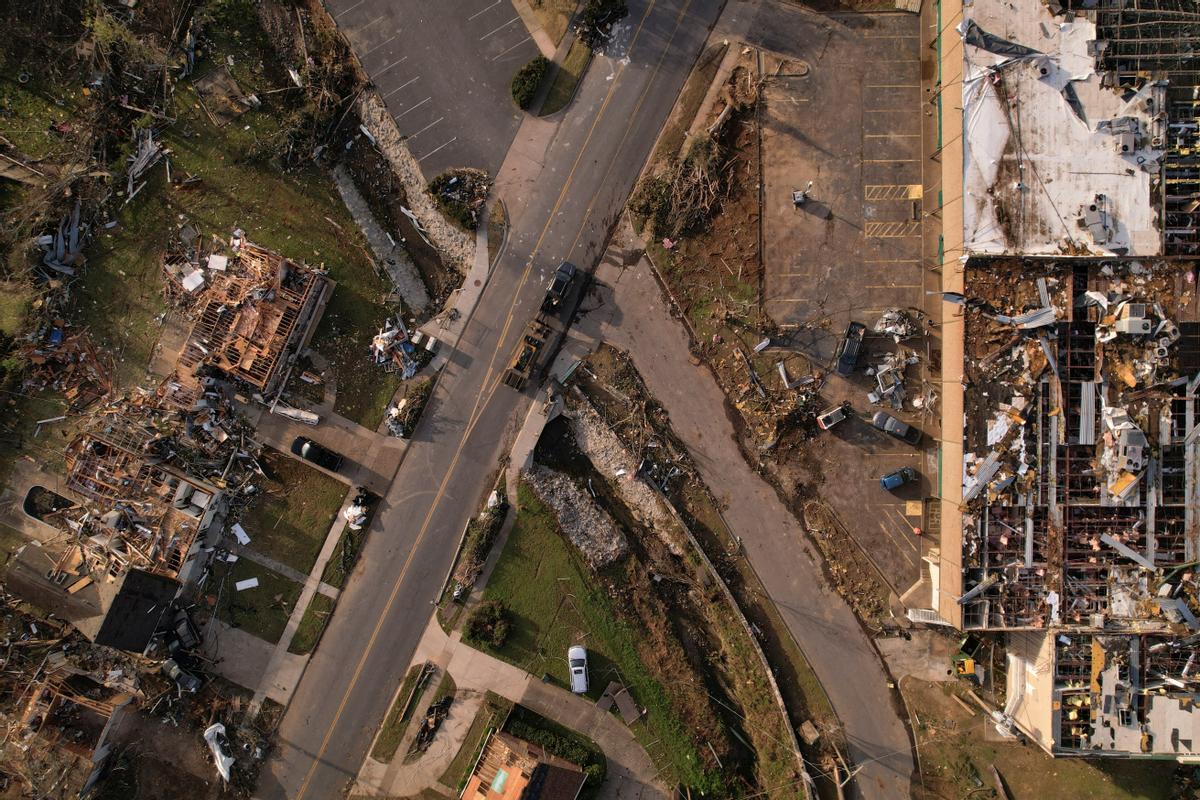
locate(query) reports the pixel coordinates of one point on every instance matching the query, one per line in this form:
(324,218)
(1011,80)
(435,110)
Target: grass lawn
(553,602)
(688,105)
(312,625)
(570,72)
(955,753)
(290,521)
(263,610)
(297,213)
(345,554)
(15,298)
(554,16)
(446,688)
(392,730)
(490,716)
(10,541)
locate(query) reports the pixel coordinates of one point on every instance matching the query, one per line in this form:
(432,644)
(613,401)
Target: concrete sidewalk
(630,771)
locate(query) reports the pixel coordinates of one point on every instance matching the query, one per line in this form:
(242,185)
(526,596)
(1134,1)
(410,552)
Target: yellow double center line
(486,390)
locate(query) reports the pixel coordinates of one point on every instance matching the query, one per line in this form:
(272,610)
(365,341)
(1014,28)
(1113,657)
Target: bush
(461,195)
(488,625)
(527,80)
(560,741)
(595,23)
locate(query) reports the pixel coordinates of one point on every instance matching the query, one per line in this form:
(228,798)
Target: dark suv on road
(556,292)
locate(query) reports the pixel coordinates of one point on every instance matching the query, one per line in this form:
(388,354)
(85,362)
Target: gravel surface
(457,247)
(585,524)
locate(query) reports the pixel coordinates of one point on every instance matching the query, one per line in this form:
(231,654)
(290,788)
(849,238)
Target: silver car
(577,658)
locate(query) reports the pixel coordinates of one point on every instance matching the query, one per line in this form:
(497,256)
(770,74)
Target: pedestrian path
(631,774)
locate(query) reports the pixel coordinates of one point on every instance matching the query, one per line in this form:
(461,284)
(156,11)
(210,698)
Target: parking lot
(443,69)
(846,113)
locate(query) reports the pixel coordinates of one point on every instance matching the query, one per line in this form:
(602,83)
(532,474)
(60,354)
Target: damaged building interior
(255,311)
(1073,364)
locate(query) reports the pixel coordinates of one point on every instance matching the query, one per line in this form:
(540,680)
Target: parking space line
(891,230)
(892,261)
(389,66)
(897,540)
(893,191)
(484,11)
(514,47)
(892,36)
(905,110)
(414,108)
(892,86)
(427,127)
(891,136)
(401,86)
(369,24)
(351,8)
(893,286)
(497,30)
(889,160)
(439,147)
(376,47)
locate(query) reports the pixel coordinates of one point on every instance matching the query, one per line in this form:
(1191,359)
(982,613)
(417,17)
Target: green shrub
(527,80)
(488,625)
(562,742)
(461,195)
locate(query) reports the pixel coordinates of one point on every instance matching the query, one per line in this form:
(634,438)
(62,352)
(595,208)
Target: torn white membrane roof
(1053,162)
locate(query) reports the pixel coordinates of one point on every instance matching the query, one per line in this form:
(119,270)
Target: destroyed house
(514,769)
(69,710)
(257,313)
(144,513)
(121,610)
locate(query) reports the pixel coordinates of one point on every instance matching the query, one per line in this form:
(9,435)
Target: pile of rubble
(609,457)
(397,350)
(65,360)
(585,524)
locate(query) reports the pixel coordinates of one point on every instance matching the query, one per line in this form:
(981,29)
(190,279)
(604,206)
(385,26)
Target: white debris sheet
(249,583)
(1044,142)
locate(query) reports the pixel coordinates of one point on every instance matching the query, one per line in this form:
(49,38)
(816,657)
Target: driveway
(444,70)
(634,316)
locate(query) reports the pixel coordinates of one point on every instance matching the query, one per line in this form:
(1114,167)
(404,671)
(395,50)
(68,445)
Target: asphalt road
(589,167)
(443,69)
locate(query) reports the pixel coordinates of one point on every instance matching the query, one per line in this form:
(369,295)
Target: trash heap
(397,350)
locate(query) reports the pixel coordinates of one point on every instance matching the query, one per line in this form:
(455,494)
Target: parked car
(832,416)
(577,658)
(559,284)
(183,679)
(321,456)
(850,350)
(894,427)
(894,480)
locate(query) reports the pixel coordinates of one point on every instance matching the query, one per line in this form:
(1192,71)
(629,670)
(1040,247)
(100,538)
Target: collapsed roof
(1055,161)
